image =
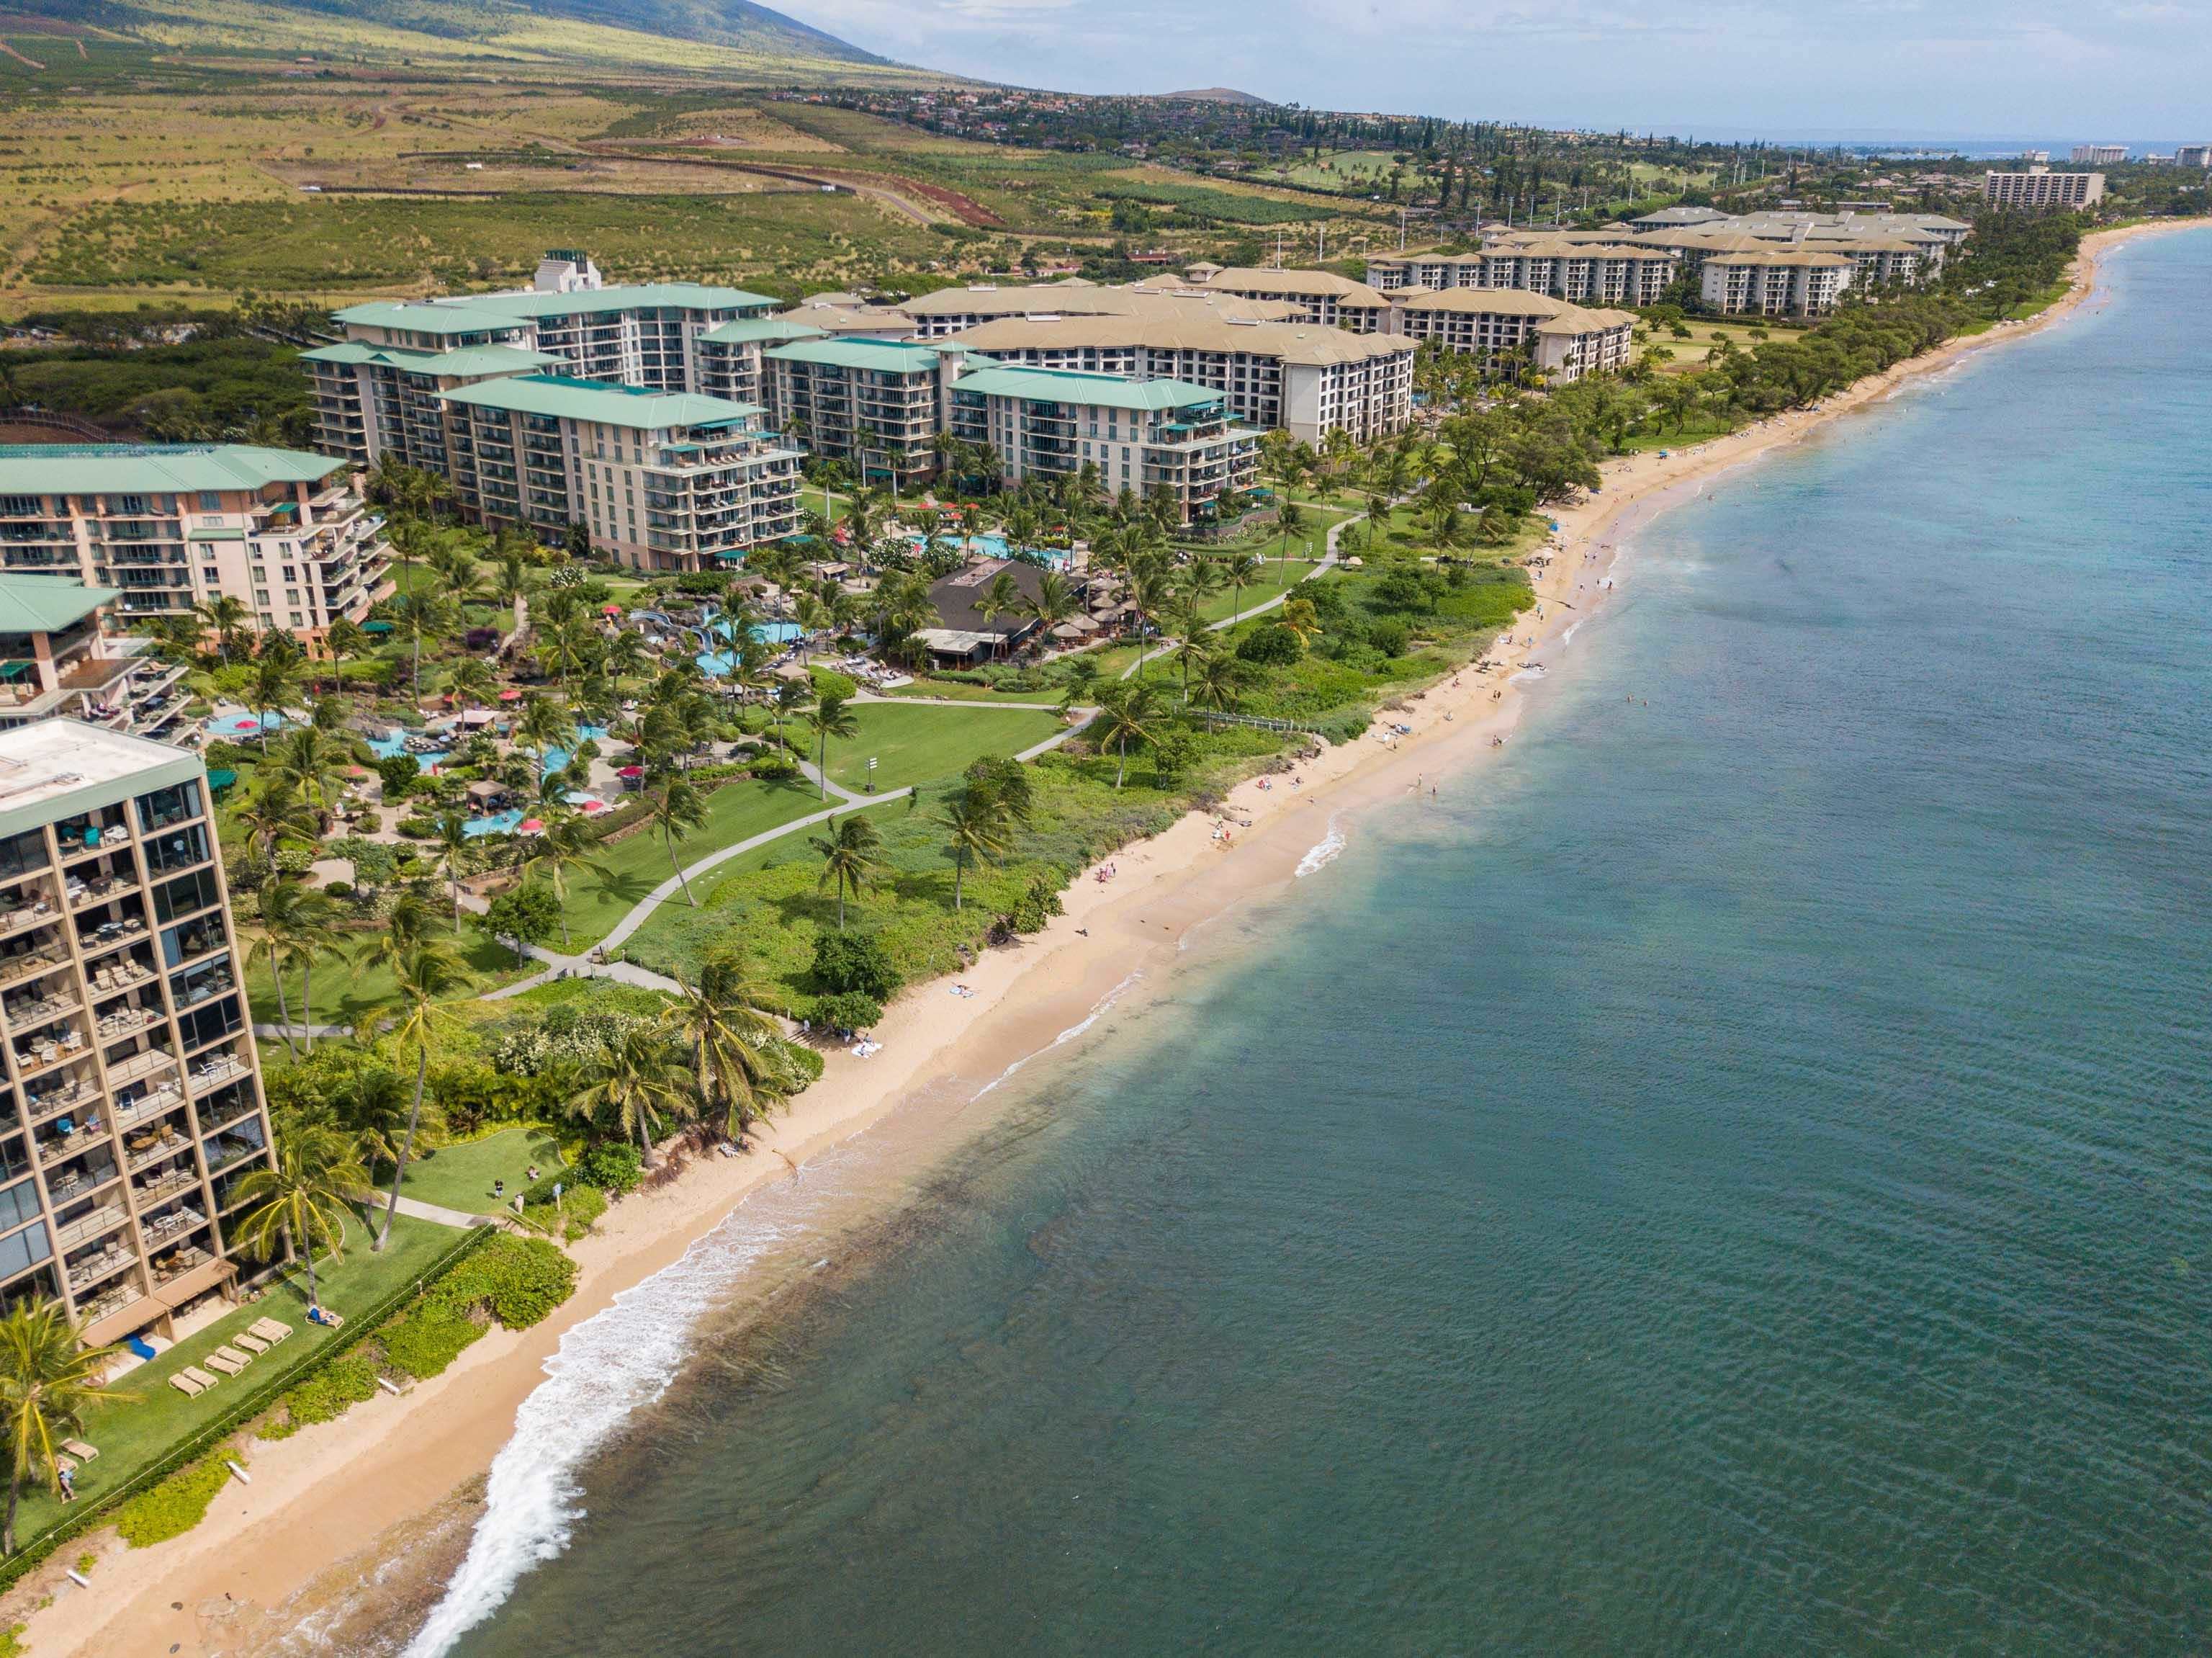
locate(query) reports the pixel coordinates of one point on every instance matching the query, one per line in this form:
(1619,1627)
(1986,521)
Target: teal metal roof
(641,297)
(1081,386)
(462,360)
(152,468)
(894,356)
(426,317)
(746,330)
(47,604)
(592,399)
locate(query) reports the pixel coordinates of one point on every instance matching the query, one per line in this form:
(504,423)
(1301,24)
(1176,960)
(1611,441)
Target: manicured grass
(638,862)
(913,742)
(150,1417)
(460,1177)
(345,995)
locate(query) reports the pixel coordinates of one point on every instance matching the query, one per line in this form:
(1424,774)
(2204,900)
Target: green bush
(325,1396)
(774,768)
(427,1339)
(519,1281)
(576,1212)
(615,1168)
(1271,644)
(417,828)
(828,682)
(174,1506)
(855,962)
(848,1010)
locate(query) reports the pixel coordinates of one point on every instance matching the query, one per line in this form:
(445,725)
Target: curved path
(1329,563)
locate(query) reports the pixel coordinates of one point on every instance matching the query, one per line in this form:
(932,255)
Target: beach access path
(327,1505)
(1328,562)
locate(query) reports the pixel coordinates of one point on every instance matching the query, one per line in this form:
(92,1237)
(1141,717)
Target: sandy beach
(333,1494)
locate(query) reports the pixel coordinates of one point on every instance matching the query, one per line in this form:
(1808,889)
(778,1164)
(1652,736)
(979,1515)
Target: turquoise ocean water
(1730,1178)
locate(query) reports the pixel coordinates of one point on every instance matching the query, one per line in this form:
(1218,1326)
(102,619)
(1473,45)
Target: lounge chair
(271,1330)
(193,1373)
(80,1450)
(252,1344)
(184,1384)
(228,1367)
(324,1316)
(233,1355)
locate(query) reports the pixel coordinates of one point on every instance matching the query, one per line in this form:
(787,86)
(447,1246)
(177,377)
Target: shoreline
(319,1501)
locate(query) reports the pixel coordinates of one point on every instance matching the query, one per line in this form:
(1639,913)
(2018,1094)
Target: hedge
(173,1507)
(325,1396)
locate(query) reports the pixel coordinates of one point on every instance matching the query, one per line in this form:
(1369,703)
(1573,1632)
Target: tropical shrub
(855,961)
(1271,645)
(174,1506)
(615,1168)
(325,1396)
(848,1010)
(427,1339)
(519,1281)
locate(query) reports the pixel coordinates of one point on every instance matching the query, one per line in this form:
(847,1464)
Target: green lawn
(150,1417)
(639,863)
(460,1177)
(345,994)
(913,742)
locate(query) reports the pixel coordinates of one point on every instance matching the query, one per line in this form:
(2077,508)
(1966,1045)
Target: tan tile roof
(1247,279)
(1187,328)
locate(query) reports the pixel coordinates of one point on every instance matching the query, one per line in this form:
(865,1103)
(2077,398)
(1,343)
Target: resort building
(1317,296)
(2098,154)
(1306,380)
(171,526)
(1774,282)
(952,310)
(662,480)
(851,315)
(134,1107)
(1506,327)
(2040,189)
(1571,267)
(2193,155)
(876,403)
(58,660)
(730,356)
(1146,437)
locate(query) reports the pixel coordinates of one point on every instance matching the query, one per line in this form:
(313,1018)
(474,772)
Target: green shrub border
(359,1326)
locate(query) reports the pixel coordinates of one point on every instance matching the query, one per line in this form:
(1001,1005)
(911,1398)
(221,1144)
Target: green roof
(462,360)
(592,399)
(47,604)
(746,330)
(1081,386)
(470,313)
(894,356)
(152,468)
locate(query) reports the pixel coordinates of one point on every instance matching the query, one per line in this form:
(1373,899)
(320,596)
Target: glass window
(167,806)
(25,1250)
(203,1025)
(210,501)
(14,1159)
(185,896)
(18,1203)
(177,848)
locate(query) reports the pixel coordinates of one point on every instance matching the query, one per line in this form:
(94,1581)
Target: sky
(2119,70)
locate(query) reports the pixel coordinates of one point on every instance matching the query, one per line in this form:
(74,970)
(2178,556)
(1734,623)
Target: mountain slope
(735,33)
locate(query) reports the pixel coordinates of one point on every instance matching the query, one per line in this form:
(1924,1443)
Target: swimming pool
(994,546)
(773,633)
(557,756)
(499,823)
(391,748)
(235,725)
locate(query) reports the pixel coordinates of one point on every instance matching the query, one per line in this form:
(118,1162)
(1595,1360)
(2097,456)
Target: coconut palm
(568,844)
(428,974)
(637,1078)
(1001,596)
(48,1379)
(299,1202)
(294,923)
(976,820)
(847,856)
(1128,711)
(1216,678)
(452,848)
(726,1023)
(311,761)
(830,717)
(544,724)
(276,677)
(421,614)
(471,683)
(1240,568)
(276,813)
(676,810)
(1053,604)
(226,618)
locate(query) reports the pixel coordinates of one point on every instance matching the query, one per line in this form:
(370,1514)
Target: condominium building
(58,660)
(1504,326)
(1775,282)
(171,526)
(877,404)
(1302,378)
(1142,435)
(1571,267)
(730,356)
(2193,155)
(2040,189)
(952,310)
(135,1107)
(1316,297)
(2098,154)
(662,480)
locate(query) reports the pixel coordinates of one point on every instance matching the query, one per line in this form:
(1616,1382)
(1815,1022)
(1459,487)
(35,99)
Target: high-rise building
(133,1098)
(2040,188)
(2098,154)
(171,526)
(2193,155)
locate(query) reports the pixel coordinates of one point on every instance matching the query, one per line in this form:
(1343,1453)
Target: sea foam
(1323,853)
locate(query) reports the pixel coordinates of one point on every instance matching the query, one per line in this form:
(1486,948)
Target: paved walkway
(1329,563)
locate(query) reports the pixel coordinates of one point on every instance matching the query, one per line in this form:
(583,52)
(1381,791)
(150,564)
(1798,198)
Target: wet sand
(335,1501)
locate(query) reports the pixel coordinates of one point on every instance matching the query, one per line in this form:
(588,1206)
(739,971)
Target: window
(167,806)
(210,501)
(25,1250)
(18,1203)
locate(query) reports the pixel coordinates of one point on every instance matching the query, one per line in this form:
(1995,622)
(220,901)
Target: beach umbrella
(510,695)
(532,826)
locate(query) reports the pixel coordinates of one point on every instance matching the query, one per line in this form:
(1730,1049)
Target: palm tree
(294,928)
(830,718)
(428,974)
(1218,677)
(471,683)
(422,614)
(512,585)
(1053,604)
(300,1201)
(310,762)
(568,844)
(676,811)
(1002,596)
(847,856)
(47,1380)
(977,819)
(224,617)
(1240,568)
(276,813)
(1128,710)
(545,725)
(346,640)
(1302,618)
(453,844)
(635,1076)
(725,1021)
(275,679)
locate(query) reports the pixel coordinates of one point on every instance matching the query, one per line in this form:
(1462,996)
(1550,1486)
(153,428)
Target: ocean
(1728,1176)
